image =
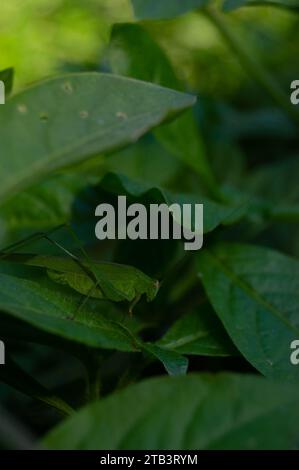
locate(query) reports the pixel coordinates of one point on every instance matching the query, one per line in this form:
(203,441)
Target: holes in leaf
(22,108)
(44,117)
(84,114)
(121,115)
(67,87)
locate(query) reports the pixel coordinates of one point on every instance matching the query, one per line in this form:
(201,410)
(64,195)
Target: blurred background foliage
(44,37)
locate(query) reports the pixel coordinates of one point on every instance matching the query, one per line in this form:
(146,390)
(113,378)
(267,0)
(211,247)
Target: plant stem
(92,365)
(251,64)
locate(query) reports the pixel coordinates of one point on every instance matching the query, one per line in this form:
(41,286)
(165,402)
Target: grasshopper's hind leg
(133,304)
(85,300)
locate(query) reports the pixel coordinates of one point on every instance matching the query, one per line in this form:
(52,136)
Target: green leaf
(98,280)
(174,363)
(55,309)
(255,293)
(147,9)
(7,77)
(75,117)
(213,214)
(13,375)
(224,411)
(230,5)
(134,53)
(198,333)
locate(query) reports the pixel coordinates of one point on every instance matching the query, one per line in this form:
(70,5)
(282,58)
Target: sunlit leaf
(75,117)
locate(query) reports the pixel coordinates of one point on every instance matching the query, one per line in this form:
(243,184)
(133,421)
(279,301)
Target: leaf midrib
(243,285)
(184,340)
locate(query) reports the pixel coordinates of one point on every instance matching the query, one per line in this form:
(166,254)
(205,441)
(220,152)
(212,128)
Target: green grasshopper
(99,280)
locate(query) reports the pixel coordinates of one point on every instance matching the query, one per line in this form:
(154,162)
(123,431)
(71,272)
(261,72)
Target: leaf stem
(92,365)
(251,64)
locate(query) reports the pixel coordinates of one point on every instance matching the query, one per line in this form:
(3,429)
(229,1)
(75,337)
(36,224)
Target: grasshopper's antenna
(43,235)
(31,239)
